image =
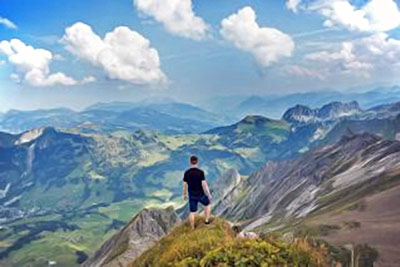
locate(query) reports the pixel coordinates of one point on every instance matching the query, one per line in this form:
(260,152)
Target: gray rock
(136,237)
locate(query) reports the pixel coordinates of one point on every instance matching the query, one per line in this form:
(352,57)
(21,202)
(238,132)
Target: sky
(76,53)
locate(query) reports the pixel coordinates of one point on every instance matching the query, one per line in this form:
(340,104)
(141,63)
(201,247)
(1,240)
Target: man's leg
(193,210)
(191,219)
(207,211)
(207,207)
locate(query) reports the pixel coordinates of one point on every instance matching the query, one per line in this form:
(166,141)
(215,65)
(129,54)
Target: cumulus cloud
(362,57)
(267,45)
(8,23)
(32,65)
(123,54)
(345,59)
(374,16)
(293,5)
(177,16)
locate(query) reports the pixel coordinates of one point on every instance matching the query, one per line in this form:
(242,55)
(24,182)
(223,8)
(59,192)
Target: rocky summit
(301,114)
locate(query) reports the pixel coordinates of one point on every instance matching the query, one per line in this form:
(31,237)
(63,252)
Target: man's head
(194,160)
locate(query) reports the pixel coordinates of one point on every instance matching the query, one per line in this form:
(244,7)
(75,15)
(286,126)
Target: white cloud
(89,79)
(293,5)
(301,71)
(362,57)
(345,59)
(177,16)
(374,16)
(267,45)
(123,54)
(32,65)
(8,23)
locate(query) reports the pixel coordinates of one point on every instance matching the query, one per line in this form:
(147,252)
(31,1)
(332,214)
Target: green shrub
(216,245)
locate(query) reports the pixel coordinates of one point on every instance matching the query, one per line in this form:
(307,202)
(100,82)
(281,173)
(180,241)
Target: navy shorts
(194,200)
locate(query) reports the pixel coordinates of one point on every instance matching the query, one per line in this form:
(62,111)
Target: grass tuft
(216,245)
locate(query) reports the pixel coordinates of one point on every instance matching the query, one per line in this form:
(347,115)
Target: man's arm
(206,189)
(184,190)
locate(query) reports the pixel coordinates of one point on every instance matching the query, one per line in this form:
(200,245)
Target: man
(195,183)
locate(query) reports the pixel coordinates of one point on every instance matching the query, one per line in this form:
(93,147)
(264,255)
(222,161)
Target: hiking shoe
(207,223)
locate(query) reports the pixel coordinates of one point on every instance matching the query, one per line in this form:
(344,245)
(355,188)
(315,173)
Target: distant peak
(330,111)
(254,118)
(33,134)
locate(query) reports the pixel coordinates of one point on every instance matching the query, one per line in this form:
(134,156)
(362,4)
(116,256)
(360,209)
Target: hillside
(333,191)
(216,245)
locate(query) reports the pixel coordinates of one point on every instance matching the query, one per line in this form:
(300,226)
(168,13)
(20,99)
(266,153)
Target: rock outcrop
(137,236)
(302,114)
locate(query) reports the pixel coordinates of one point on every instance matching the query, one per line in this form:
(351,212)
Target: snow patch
(11,201)
(3,193)
(304,118)
(398,136)
(318,134)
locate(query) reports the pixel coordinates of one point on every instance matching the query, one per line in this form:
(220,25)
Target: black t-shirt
(193,177)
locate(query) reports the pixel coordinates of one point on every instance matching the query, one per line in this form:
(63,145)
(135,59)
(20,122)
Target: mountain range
(80,185)
(334,192)
(168,116)
(273,106)
(165,117)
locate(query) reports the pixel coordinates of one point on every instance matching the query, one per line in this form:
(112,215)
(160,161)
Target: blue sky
(190,50)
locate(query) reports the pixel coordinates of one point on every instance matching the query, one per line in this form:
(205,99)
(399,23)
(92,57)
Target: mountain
(273,106)
(167,107)
(187,111)
(339,187)
(111,167)
(323,189)
(144,118)
(16,121)
(383,111)
(258,135)
(82,186)
(115,106)
(166,117)
(147,227)
(332,111)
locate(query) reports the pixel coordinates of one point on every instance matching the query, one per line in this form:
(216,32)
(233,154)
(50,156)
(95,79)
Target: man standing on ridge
(195,183)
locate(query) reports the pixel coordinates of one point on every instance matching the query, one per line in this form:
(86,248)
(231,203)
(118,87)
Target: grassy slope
(215,245)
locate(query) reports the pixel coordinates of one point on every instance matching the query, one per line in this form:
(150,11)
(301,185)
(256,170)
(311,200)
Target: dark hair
(194,160)
(237,229)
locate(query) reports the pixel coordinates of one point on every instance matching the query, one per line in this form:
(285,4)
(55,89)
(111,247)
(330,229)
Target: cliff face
(137,236)
(298,188)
